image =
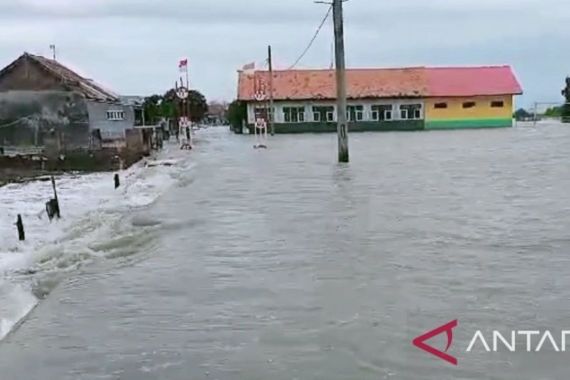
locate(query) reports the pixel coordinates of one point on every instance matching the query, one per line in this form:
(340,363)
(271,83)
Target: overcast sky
(133,46)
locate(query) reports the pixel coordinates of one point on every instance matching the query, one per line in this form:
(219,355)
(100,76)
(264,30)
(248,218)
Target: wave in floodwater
(98,223)
(15,303)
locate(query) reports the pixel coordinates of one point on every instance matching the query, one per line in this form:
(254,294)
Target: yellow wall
(482,109)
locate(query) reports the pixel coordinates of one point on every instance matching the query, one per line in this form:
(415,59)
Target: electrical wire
(313,39)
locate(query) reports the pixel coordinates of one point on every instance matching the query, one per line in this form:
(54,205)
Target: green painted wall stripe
(469,123)
(396,125)
(361,126)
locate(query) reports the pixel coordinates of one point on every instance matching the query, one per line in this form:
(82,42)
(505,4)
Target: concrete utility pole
(342,127)
(271,113)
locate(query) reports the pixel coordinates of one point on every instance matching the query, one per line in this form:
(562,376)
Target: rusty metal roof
(69,78)
(88,87)
(383,83)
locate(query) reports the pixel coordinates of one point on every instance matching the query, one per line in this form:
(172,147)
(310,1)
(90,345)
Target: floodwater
(281,264)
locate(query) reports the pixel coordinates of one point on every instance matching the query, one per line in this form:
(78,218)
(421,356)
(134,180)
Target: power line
(313,39)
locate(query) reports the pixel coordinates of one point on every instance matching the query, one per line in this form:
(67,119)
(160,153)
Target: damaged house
(46,107)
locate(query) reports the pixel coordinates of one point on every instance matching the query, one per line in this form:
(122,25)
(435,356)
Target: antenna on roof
(52,48)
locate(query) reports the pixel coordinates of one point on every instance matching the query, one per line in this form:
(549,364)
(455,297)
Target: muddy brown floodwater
(281,264)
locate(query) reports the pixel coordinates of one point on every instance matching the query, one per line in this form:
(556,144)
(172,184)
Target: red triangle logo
(420,342)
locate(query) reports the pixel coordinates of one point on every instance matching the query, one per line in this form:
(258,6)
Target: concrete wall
(454,116)
(135,140)
(31,118)
(110,129)
(482,115)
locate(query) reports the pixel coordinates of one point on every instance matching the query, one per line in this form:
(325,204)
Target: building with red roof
(414,98)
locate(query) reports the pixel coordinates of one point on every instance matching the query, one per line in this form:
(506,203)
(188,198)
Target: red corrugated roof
(472,81)
(384,83)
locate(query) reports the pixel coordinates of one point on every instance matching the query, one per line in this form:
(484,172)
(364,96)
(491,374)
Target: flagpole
(188,100)
(187,78)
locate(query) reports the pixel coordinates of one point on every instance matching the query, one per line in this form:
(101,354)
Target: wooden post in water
(57,210)
(342,127)
(20,226)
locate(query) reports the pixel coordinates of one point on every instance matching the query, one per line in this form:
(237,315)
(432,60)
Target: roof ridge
(434,67)
(347,69)
(470,66)
(389,82)
(57,68)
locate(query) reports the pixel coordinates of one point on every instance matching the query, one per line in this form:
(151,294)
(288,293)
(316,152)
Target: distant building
(43,102)
(137,102)
(400,99)
(217,113)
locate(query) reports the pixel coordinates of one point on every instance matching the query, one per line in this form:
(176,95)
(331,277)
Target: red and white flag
(183,65)
(249,67)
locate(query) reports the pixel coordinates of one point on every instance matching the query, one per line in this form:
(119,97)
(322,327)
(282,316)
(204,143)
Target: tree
(237,112)
(553,112)
(565,112)
(522,114)
(167,106)
(198,106)
(151,107)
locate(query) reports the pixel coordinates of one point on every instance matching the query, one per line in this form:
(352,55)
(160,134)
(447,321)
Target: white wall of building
(367,105)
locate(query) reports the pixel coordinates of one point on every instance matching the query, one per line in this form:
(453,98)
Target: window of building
(440,105)
(382,112)
(261,113)
(355,113)
(469,104)
(323,113)
(410,111)
(115,115)
(497,104)
(294,114)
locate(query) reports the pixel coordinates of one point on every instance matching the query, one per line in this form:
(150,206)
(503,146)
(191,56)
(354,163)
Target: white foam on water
(90,209)
(16,303)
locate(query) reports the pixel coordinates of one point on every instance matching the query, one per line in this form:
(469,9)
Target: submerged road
(281,264)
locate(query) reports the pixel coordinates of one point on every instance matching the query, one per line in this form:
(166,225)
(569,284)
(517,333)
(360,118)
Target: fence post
(20,226)
(57,210)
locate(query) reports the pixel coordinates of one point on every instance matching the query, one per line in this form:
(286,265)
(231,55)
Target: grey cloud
(134,45)
(254,12)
